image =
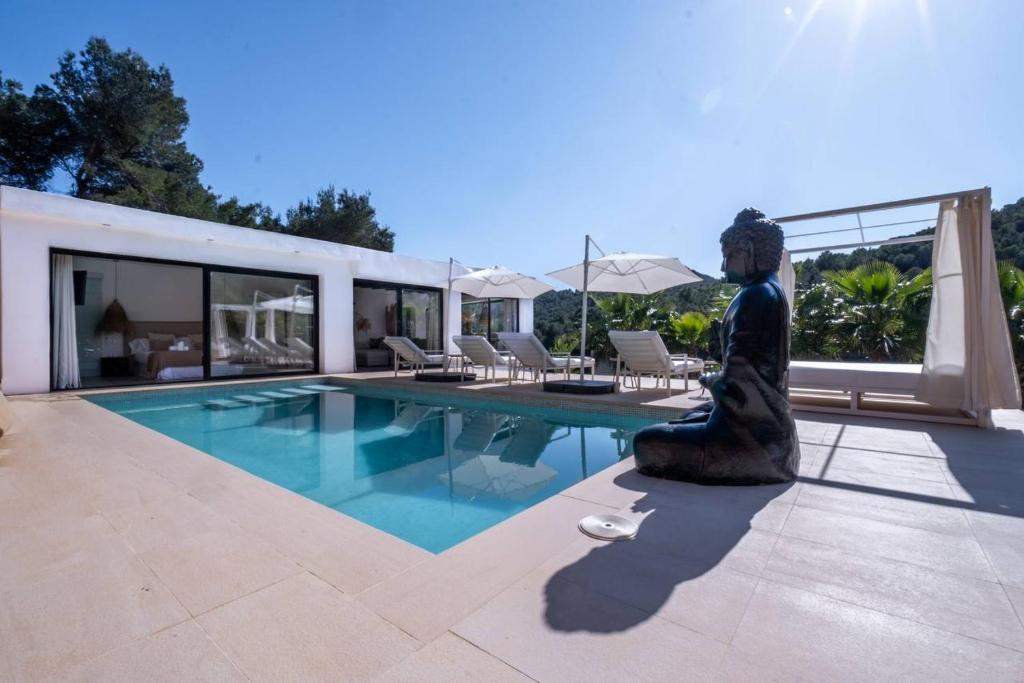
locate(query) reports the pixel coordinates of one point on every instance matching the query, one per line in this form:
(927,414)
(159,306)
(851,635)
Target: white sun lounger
(644,353)
(530,354)
(406,351)
(480,352)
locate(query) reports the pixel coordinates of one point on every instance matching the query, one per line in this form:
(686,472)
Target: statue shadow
(686,530)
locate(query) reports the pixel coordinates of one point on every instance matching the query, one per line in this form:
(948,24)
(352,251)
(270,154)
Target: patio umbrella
(496,282)
(499,282)
(621,272)
(292,304)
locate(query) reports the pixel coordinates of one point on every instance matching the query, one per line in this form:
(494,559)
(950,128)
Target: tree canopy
(111,127)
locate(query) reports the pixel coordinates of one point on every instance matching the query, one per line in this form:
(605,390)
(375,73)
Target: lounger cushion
(900,378)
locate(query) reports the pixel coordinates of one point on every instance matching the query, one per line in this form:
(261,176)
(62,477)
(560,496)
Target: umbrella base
(444,377)
(588,387)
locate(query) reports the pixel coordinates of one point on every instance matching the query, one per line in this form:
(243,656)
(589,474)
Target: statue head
(751,247)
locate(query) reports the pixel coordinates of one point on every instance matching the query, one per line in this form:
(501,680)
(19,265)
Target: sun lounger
(406,351)
(530,354)
(480,352)
(644,353)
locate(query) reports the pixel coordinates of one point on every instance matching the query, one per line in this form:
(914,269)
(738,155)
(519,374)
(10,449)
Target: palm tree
(690,330)
(876,300)
(624,312)
(1011,285)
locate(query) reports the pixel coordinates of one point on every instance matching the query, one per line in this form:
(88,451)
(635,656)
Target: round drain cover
(609,527)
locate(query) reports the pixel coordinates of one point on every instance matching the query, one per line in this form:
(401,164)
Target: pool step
(267,397)
(223,404)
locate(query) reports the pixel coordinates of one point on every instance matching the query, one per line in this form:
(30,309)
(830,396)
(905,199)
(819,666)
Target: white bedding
(183,373)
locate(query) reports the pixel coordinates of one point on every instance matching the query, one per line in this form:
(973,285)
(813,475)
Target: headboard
(141,328)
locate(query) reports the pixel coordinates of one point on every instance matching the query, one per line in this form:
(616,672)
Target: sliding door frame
(206,270)
(487,301)
(398,287)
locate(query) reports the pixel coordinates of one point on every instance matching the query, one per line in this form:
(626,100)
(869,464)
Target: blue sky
(502,132)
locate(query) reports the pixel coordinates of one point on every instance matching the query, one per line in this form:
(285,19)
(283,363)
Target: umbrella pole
(447,312)
(583,326)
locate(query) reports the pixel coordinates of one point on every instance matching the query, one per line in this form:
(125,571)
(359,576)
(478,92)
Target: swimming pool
(432,470)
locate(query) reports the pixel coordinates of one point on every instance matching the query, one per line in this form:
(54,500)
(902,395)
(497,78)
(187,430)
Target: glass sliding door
(488,317)
(124,321)
(421,318)
(381,309)
(261,324)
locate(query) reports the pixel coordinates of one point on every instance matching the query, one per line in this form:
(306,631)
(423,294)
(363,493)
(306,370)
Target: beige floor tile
(81,613)
(209,569)
(617,486)
(952,554)
(8,489)
(303,629)
(180,653)
(1008,561)
(739,667)
(346,553)
(710,534)
(559,631)
(429,598)
(805,634)
(150,526)
(450,659)
(917,466)
(879,483)
(1016,596)
(129,486)
(705,596)
(970,607)
(941,514)
(34,553)
(906,439)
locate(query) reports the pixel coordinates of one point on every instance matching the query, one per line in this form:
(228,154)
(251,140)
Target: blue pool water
(431,470)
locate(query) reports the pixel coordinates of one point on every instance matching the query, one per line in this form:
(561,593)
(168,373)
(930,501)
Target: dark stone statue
(747,435)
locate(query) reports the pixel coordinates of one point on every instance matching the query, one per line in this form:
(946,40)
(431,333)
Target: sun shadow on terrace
(686,531)
(984,468)
(689,530)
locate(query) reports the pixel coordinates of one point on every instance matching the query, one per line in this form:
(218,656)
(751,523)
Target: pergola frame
(869,208)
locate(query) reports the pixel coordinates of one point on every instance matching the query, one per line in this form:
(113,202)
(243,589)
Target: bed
(166,364)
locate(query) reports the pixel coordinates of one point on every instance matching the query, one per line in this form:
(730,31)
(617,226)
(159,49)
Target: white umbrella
(628,273)
(499,282)
(621,272)
(293,304)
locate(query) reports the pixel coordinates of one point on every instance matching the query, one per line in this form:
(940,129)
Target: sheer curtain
(968,359)
(65,340)
(787,278)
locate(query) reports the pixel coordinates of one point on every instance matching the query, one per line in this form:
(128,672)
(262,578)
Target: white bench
(856,378)
(885,379)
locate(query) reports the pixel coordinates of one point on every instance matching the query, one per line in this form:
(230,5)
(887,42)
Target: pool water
(419,467)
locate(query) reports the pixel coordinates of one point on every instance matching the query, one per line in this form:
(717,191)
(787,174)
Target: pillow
(197,340)
(160,342)
(182,344)
(138,346)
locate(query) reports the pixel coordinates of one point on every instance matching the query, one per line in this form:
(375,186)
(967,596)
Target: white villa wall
(33,222)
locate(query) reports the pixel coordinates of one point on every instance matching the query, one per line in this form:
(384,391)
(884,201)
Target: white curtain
(269,330)
(787,278)
(250,323)
(968,359)
(219,332)
(65,340)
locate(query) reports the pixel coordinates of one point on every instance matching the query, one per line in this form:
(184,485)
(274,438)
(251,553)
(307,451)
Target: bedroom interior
(119,321)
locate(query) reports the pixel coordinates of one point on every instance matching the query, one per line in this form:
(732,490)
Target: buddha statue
(747,434)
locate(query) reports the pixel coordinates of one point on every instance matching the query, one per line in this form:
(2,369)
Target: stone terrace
(898,555)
